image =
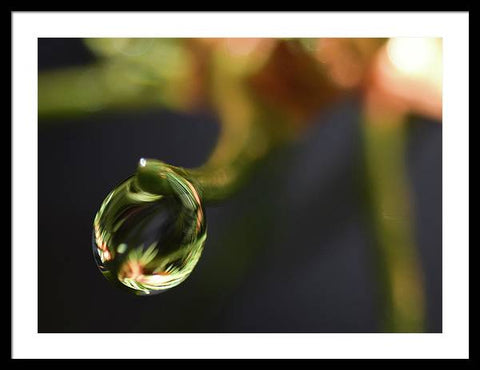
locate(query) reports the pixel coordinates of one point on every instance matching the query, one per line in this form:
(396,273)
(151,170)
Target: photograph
(240,185)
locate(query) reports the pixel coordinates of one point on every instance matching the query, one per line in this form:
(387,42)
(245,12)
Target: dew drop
(148,242)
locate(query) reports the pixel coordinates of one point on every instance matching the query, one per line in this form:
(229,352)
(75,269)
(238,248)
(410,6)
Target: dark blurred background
(290,252)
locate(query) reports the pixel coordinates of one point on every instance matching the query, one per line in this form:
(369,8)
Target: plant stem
(246,136)
(391,206)
(104,86)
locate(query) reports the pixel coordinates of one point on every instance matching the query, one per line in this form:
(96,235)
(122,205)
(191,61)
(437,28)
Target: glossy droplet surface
(147,243)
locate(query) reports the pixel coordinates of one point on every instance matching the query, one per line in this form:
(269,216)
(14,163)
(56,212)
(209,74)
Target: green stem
(397,258)
(104,86)
(245,137)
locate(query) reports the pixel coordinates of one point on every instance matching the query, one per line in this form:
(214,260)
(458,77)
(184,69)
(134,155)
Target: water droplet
(147,242)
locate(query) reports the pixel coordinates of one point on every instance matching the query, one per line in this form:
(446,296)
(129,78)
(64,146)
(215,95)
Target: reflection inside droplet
(148,243)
